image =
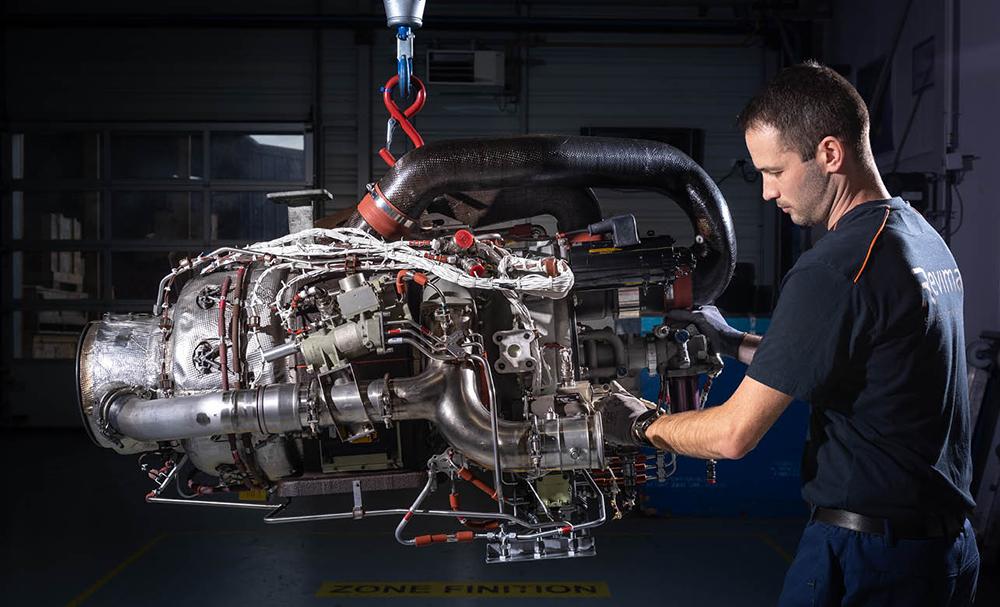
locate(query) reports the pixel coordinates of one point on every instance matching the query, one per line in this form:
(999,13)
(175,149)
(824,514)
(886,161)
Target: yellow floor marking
(111,574)
(466,588)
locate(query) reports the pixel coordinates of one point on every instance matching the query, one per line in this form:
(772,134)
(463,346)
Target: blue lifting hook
(404,59)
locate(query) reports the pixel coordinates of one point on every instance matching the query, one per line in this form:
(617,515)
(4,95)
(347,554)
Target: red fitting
(403,275)
(567,529)
(464,239)
(379,220)
(478,270)
(400,285)
(551,267)
(466,475)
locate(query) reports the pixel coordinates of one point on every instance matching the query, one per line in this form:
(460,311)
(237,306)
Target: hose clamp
(382,216)
(386,207)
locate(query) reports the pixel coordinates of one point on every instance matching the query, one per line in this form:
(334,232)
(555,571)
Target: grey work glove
(625,418)
(725,339)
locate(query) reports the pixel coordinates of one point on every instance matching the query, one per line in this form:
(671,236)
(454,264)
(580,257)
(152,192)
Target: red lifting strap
(402,117)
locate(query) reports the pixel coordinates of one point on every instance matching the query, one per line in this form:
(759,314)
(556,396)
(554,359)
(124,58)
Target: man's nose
(770,191)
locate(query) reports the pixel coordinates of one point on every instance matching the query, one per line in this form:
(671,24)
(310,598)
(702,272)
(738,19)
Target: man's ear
(830,154)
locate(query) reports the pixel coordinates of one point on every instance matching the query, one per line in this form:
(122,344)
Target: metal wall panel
(340,166)
(158,74)
(622,84)
(342,75)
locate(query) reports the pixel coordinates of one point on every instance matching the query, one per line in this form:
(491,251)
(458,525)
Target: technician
(868,328)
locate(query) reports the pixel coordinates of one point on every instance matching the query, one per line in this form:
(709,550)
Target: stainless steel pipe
(272,409)
(448,395)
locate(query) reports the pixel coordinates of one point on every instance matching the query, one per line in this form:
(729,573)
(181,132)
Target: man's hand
(622,415)
(725,339)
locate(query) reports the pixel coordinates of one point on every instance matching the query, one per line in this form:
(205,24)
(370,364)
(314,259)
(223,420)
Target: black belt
(925,528)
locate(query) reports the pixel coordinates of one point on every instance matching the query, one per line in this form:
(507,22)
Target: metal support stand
(300,205)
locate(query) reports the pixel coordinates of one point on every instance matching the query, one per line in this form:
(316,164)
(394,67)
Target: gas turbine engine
(410,349)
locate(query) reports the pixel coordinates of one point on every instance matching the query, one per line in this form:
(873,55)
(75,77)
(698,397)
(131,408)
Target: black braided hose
(552,160)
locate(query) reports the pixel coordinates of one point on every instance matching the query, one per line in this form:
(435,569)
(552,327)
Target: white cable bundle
(534,281)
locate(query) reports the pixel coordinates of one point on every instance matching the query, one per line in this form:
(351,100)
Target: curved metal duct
(449,396)
(397,200)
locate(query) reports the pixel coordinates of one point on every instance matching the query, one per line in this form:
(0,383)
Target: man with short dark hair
(868,329)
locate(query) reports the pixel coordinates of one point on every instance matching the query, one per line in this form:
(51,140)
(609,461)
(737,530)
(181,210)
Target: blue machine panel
(765,483)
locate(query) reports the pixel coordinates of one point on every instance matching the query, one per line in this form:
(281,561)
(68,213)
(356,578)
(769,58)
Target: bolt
(574,453)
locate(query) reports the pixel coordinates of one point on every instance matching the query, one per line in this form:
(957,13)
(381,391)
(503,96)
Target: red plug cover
(464,239)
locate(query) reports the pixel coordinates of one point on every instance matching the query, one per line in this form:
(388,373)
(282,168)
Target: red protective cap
(464,239)
(478,270)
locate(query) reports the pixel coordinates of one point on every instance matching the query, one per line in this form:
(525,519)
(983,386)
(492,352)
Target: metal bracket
(515,349)
(358,511)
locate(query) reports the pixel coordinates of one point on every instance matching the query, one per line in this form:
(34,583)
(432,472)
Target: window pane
(56,156)
(258,157)
(56,275)
(56,215)
(137,274)
(156,156)
(247,216)
(48,334)
(156,215)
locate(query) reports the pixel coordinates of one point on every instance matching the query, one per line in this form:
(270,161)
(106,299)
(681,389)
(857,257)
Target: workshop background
(134,134)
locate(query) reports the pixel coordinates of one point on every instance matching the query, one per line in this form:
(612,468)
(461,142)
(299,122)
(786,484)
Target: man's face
(800,188)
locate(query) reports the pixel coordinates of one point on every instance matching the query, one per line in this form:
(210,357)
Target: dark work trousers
(837,566)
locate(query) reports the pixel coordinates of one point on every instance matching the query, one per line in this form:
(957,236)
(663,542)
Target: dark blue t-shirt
(869,330)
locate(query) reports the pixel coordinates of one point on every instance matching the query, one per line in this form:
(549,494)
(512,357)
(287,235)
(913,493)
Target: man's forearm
(704,434)
(748,347)
(728,431)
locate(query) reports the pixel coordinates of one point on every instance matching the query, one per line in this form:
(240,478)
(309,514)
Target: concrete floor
(76,531)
